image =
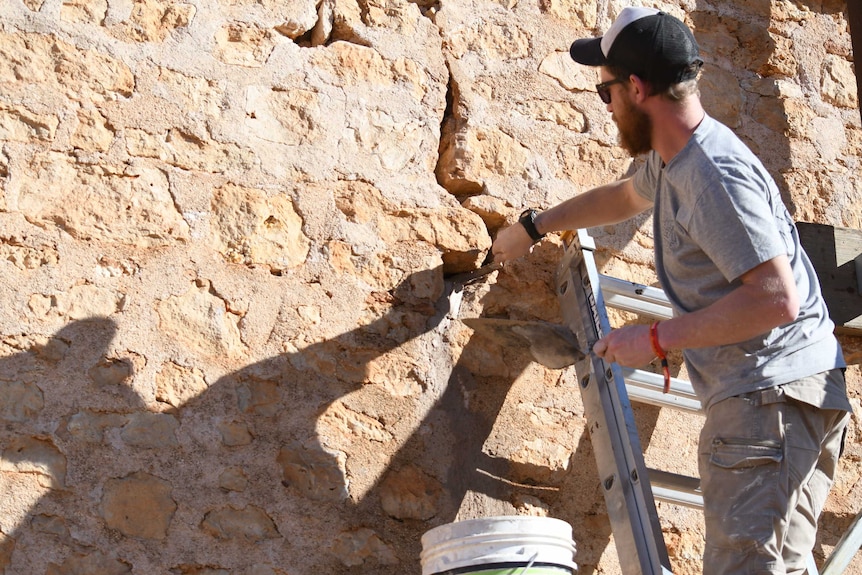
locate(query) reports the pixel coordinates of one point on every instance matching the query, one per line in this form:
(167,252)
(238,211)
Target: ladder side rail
(846,548)
(622,471)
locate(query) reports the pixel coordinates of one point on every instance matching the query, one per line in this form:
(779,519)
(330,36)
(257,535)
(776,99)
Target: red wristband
(656,347)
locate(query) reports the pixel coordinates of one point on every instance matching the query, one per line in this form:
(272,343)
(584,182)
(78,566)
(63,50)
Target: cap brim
(588,51)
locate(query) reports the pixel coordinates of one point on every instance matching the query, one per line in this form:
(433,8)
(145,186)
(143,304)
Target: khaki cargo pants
(766,464)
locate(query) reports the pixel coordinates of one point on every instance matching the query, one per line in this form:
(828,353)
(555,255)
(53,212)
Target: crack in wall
(453,146)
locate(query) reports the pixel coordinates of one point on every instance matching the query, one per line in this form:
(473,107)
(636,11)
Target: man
(749,316)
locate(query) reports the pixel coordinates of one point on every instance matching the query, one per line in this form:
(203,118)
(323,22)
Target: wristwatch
(528,220)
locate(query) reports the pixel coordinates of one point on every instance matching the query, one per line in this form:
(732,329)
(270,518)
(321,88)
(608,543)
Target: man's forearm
(766,300)
(608,204)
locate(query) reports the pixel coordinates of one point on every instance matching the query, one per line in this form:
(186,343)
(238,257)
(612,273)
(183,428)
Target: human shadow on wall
(239,423)
(262,422)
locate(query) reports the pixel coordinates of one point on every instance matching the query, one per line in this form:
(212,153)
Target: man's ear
(641,88)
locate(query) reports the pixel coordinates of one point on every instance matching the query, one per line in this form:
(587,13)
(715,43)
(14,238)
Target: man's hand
(629,346)
(511,243)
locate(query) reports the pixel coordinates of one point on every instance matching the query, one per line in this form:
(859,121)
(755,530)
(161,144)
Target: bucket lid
(504,539)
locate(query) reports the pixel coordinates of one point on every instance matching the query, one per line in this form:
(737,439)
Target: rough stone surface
(225,227)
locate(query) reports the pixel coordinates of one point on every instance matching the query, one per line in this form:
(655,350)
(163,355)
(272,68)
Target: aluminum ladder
(630,489)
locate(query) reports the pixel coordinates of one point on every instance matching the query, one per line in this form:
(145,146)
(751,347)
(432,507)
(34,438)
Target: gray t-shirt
(717,215)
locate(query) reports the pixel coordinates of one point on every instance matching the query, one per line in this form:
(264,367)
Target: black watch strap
(528,220)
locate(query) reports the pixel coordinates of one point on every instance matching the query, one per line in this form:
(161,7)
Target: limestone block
(93,133)
(233,479)
(189,152)
(234,433)
(111,203)
(573,10)
(19,400)
(138,505)
(300,16)
(83,11)
(260,397)
(393,143)
(203,95)
(770,112)
(410,493)
(350,64)
(19,124)
(829,139)
(81,75)
(150,431)
(494,40)
(396,373)
(89,427)
(540,462)
(570,75)
(347,21)
(253,228)
(781,61)
(591,163)
(88,300)
(242,44)
(153,20)
(744,42)
(314,471)
(110,372)
(285,116)
(560,113)
(21,491)
(339,419)
(38,456)
(176,384)
(251,523)
(470,155)
(458,233)
(492,210)
(356,547)
(201,321)
(96,563)
(838,82)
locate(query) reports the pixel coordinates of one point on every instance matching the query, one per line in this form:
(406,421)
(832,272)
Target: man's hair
(676,92)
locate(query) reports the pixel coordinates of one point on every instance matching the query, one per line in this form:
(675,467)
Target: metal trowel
(551,345)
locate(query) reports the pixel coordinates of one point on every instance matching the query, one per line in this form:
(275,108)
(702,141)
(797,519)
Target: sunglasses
(604,89)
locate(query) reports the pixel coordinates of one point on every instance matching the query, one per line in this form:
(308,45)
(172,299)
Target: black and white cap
(646,42)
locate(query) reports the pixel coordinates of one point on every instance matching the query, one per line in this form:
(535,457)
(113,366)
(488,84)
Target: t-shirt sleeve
(733,223)
(645,179)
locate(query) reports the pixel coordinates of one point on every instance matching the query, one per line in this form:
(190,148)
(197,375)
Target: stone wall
(224,228)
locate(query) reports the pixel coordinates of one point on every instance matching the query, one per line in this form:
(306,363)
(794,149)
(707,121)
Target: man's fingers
(600,347)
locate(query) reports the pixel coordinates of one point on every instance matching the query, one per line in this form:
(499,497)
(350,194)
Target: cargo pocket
(742,492)
(743,453)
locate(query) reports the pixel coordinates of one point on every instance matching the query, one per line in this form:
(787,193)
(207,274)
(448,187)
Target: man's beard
(635,130)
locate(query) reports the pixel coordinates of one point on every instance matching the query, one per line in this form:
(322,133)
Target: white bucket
(516,545)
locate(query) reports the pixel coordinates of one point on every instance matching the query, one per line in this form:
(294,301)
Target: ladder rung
(675,488)
(633,297)
(648,387)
